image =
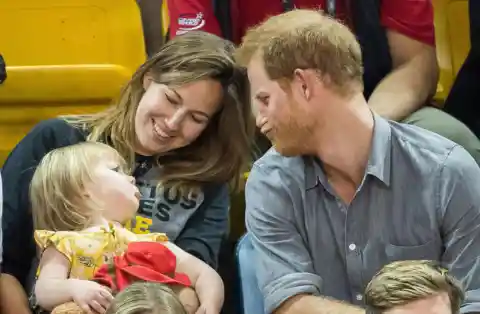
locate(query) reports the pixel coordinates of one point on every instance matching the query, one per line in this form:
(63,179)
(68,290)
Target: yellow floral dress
(89,249)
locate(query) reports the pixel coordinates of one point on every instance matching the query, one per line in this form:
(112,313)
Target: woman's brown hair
(222,152)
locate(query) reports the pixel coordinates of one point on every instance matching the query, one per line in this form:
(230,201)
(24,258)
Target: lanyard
(331,6)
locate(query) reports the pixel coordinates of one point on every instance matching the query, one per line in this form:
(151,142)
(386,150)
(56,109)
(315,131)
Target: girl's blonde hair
(223,150)
(58,186)
(146,298)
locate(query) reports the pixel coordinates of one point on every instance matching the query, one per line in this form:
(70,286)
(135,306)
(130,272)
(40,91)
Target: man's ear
(302,83)
(147,80)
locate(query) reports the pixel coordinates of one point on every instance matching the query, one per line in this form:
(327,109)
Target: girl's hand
(90,296)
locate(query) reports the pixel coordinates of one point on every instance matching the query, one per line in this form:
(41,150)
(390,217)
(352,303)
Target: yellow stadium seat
(64,57)
(237,212)
(452,32)
(165,19)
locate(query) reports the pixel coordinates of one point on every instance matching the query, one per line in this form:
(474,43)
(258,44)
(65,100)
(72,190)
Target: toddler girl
(83,193)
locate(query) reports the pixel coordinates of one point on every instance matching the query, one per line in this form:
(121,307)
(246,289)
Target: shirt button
(352,247)
(359,297)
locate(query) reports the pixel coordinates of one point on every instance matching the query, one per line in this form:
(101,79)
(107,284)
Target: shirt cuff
(281,289)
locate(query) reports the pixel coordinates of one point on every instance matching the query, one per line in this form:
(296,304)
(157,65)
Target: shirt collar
(379,161)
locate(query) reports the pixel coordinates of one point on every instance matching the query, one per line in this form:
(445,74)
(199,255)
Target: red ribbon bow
(142,261)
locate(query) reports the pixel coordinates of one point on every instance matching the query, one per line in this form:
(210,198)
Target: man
(397,40)
(410,287)
(345,191)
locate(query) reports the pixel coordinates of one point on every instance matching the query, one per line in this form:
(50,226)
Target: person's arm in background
(204,232)
(284,267)
(459,215)
(12,297)
(189,15)
(18,253)
(20,250)
(205,280)
(208,227)
(414,78)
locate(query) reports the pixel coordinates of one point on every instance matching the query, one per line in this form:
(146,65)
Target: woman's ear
(147,80)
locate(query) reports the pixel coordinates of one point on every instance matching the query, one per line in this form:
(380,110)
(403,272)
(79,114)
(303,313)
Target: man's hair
(58,186)
(306,39)
(402,282)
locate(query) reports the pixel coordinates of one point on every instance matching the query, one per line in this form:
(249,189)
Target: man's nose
(131,179)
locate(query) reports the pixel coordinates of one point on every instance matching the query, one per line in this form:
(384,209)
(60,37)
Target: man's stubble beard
(294,137)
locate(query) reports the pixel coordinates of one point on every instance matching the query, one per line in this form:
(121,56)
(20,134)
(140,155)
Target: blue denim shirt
(419,199)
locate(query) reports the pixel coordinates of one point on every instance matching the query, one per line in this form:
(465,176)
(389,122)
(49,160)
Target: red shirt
(413,18)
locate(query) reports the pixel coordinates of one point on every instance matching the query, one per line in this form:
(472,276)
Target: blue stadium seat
(251,300)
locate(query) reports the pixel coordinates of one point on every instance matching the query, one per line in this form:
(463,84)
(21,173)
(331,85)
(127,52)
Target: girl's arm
(207,283)
(53,286)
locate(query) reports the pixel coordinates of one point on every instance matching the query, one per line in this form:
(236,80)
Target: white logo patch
(190,22)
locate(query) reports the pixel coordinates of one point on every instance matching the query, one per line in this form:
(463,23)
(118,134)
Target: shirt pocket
(426,251)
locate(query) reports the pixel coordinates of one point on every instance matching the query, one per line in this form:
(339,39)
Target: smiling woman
(183,124)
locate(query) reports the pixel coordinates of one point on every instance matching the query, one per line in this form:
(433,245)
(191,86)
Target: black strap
(370,33)
(474,14)
(287,5)
(330,9)
(3,70)
(221,9)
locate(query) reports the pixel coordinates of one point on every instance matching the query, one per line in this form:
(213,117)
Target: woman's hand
(188,298)
(207,309)
(90,295)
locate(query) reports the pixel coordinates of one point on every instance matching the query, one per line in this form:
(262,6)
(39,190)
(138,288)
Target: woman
(183,123)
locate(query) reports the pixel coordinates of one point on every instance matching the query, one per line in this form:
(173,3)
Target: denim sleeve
(284,266)
(459,206)
(207,228)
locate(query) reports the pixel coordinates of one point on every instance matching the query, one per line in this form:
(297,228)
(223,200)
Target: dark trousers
(463,102)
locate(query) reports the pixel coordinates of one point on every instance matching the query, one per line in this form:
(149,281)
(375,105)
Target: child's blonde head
(146,298)
(57,190)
